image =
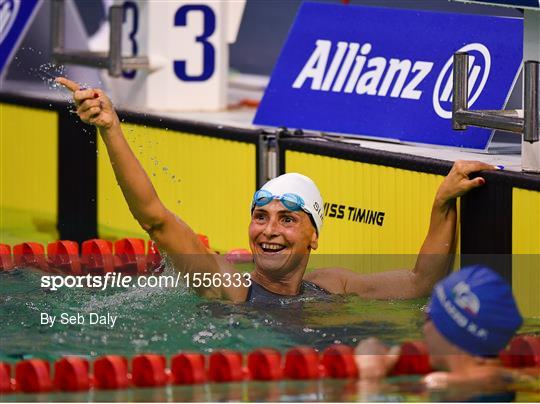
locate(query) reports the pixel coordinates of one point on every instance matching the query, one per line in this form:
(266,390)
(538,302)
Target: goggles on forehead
(293,202)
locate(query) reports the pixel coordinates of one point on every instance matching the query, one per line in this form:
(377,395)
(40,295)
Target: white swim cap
(294,183)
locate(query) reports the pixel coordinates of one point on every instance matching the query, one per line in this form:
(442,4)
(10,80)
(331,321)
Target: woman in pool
(472,315)
(286,220)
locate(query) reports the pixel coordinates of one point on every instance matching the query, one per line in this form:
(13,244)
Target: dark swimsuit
(308,290)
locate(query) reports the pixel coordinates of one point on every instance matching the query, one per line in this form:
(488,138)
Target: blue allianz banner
(387,73)
(15,17)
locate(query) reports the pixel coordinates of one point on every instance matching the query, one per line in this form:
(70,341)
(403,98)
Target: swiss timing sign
(388,73)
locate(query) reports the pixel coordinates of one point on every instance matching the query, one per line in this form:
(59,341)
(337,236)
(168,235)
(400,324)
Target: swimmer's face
(281,239)
(435,343)
(439,348)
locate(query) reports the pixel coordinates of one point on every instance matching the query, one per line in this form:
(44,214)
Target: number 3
(180,20)
(129,5)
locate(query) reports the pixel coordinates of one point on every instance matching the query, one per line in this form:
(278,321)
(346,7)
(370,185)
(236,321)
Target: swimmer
(286,220)
(471,317)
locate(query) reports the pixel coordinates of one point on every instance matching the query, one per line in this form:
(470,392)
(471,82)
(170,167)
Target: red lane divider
(33,376)
(413,359)
(188,368)
(97,257)
(6,259)
(111,372)
(29,255)
(71,374)
(64,255)
(338,361)
(225,366)
(265,364)
(239,256)
(131,254)
(5,378)
(302,363)
(149,370)
(523,351)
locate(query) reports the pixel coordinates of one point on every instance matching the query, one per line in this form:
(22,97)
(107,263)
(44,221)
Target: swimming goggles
(293,202)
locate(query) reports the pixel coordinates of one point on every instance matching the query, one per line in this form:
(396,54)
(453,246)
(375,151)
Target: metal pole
(531,101)
(58,23)
(461,88)
(116,16)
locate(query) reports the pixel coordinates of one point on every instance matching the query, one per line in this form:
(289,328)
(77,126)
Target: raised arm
(437,252)
(435,256)
(170,233)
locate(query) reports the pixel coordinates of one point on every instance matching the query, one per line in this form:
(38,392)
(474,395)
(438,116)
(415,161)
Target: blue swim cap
(475,310)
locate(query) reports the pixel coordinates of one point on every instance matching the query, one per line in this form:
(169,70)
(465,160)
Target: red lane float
(239,256)
(6,259)
(302,363)
(225,366)
(188,368)
(338,361)
(131,254)
(413,359)
(265,364)
(29,255)
(523,351)
(149,370)
(33,376)
(64,255)
(96,257)
(71,374)
(111,372)
(5,378)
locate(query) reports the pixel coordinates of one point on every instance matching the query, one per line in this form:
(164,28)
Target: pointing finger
(70,85)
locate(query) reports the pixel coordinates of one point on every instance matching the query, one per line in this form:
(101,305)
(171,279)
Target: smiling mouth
(271,248)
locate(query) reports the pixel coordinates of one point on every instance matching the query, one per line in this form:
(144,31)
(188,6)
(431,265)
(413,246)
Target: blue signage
(16,16)
(534,4)
(387,73)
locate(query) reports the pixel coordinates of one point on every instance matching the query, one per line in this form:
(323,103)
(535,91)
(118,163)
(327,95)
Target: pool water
(397,389)
(169,320)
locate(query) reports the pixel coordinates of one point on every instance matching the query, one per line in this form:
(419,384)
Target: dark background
(264,28)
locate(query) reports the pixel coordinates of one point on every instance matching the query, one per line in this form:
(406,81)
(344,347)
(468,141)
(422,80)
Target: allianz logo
(352,71)
(8,14)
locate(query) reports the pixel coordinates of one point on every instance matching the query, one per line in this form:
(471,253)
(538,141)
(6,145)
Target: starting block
(188,71)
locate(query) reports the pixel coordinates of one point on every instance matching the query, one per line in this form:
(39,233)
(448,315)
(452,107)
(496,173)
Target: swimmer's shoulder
(330,279)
